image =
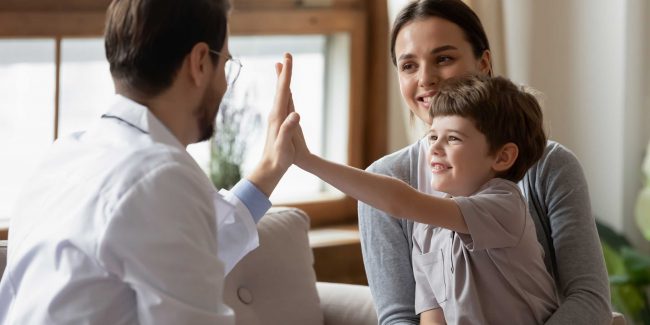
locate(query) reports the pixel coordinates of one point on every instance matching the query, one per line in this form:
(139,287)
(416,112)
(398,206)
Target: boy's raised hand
(302,152)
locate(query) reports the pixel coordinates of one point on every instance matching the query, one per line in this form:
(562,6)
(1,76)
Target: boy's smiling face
(458,156)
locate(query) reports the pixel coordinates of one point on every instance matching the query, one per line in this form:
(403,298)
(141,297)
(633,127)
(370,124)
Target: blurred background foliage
(628,268)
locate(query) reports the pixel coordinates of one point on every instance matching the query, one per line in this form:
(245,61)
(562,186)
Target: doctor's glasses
(232,68)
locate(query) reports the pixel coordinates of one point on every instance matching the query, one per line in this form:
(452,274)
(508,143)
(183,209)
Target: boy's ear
(505,157)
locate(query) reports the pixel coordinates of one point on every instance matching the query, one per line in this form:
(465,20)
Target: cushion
(346,304)
(276,283)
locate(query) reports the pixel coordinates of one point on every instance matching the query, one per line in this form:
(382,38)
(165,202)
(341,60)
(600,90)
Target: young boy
(476,258)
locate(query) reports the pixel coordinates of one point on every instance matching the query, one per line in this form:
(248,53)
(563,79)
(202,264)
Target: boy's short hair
(146,41)
(501,110)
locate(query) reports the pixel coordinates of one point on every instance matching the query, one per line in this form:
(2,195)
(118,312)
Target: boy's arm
(432,317)
(560,184)
(385,193)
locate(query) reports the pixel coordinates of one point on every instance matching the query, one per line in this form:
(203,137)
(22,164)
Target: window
(27,87)
(86,86)
(342,35)
(61,73)
(320,95)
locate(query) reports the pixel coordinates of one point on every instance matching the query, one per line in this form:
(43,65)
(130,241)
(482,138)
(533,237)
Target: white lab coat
(120,226)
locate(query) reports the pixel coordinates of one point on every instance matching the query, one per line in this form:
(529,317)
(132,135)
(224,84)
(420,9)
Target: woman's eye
(407,67)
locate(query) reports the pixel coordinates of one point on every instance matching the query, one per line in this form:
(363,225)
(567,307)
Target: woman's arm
(560,184)
(386,246)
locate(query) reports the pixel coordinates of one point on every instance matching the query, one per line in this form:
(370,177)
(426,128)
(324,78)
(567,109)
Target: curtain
(491,14)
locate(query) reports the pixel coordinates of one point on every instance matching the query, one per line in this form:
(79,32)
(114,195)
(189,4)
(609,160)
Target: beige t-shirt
(493,275)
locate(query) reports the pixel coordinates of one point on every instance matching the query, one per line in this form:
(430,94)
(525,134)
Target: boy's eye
(453,138)
(433,138)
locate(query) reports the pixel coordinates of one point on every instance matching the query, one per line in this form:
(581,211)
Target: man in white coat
(119,225)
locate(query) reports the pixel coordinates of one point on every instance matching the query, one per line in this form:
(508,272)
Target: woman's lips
(424,103)
(425,99)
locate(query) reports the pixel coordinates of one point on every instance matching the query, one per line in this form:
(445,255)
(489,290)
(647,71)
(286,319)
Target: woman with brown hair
(433,40)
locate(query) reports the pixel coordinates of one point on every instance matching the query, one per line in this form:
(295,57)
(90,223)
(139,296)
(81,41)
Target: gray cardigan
(559,204)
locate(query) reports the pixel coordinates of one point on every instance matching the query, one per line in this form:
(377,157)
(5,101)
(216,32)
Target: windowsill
(4,228)
(337,254)
(326,210)
(335,235)
(330,213)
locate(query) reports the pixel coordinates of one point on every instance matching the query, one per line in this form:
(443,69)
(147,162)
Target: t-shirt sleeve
(495,216)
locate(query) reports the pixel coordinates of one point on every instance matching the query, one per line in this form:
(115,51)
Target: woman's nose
(427,76)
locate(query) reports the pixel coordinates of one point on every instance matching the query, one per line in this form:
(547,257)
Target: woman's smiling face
(430,50)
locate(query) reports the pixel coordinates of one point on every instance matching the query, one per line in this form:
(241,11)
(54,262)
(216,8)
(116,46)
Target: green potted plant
(643,201)
(236,125)
(629,275)
(629,269)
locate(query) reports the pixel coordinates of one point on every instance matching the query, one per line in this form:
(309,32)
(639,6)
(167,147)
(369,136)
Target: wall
(589,59)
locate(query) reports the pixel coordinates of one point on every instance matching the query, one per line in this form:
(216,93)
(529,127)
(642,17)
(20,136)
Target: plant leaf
(610,237)
(642,211)
(637,265)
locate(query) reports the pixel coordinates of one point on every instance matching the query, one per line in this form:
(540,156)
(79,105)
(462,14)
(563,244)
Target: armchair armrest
(346,304)
(618,319)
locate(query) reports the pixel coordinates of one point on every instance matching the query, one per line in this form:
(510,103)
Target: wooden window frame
(322,21)
(79,18)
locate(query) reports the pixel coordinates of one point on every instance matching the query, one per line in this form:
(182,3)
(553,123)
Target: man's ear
(505,157)
(198,61)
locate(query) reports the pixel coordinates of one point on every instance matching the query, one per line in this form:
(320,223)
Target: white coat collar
(140,118)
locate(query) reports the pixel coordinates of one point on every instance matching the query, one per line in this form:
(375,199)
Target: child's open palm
(301,150)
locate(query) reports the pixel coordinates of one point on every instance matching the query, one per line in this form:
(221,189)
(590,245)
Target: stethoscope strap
(124,121)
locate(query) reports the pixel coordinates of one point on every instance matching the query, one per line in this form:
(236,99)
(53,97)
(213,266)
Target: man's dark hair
(147,40)
(501,110)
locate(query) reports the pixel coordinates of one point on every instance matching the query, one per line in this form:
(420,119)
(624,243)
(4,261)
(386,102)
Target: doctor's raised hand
(278,152)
